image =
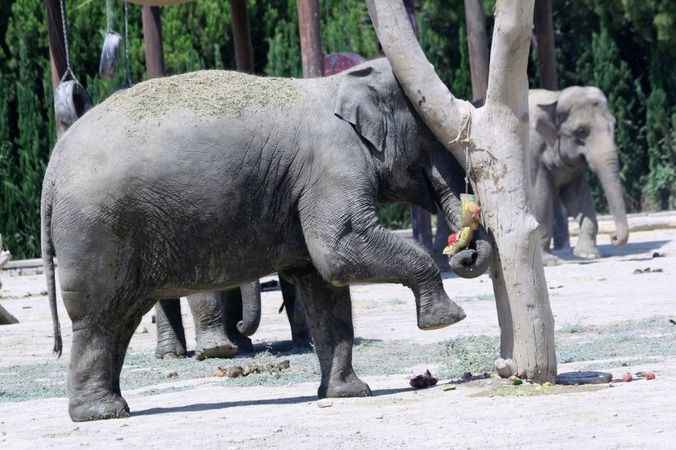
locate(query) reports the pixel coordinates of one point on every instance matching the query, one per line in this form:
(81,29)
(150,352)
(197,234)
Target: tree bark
(242,36)
(496,137)
(57,48)
(152,41)
(477,43)
(310,38)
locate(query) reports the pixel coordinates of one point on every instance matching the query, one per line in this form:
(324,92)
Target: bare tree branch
(441,111)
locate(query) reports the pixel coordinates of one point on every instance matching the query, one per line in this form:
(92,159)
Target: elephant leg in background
(170,333)
(579,203)
(561,236)
(295,312)
(440,241)
(209,314)
(329,313)
(542,196)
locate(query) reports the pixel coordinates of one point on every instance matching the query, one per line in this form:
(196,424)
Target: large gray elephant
(207,180)
(224,320)
(572,131)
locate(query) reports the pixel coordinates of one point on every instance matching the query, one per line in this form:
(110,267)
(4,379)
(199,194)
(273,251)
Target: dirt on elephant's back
(207,93)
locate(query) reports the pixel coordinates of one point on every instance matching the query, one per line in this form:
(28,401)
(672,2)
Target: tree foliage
(626,47)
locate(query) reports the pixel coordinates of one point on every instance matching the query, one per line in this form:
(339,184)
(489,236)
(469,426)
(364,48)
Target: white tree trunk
(495,136)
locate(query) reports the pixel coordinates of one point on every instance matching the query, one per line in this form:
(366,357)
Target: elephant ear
(546,123)
(359,103)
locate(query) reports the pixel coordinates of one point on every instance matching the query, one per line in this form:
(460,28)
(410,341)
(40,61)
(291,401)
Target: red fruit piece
(452,238)
(627,377)
(649,375)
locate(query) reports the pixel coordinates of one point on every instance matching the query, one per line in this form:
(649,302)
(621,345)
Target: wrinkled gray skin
(217,316)
(138,208)
(572,131)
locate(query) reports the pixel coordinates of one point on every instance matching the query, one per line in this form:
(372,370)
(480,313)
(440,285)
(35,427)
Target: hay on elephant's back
(207,93)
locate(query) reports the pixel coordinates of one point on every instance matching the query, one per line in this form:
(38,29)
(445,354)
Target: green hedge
(626,48)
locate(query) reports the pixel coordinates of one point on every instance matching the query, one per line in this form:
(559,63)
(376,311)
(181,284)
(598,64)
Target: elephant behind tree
(223,321)
(571,131)
(208,180)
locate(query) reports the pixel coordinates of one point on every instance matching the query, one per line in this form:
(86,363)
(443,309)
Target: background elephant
(208,180)
(221,325)
(570,131)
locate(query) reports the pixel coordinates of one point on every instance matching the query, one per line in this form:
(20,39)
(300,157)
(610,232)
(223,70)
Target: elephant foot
(436,310)
(351,386)
(302,343)
(111,406)
(226,350)
(549,259)
(586,251)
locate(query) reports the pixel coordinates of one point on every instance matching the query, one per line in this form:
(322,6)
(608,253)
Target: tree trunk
(242,36)
(310,38)
(57,49)
(496,137)
(477,43)
(152,41)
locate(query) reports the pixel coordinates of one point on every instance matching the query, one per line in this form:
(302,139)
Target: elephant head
(578,129)
(411,165)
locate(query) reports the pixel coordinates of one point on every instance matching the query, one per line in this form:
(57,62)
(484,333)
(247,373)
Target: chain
(64,28)
(126,43)
(468,169)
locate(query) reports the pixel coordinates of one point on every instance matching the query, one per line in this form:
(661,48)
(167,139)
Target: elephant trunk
(607,167)
(474,261)
(251,308)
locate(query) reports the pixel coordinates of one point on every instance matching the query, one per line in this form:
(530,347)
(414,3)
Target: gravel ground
(608,317)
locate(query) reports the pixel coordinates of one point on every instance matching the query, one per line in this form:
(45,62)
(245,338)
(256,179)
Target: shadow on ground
(198,407)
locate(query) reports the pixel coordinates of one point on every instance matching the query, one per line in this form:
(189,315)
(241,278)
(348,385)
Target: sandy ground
(206,415)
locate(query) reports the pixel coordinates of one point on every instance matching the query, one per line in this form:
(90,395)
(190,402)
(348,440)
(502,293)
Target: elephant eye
(581,133)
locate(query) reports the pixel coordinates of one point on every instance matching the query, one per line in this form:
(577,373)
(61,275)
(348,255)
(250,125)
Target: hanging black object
(111,46)
(71,100)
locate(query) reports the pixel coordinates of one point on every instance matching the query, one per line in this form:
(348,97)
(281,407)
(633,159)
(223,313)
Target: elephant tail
(251,308)
(48,259)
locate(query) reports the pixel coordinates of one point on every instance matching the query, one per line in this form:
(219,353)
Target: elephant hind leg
(97,355)
(170,332)
(329,313)
(295,313)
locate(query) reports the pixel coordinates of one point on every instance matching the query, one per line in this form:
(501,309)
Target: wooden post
(477,43)
(57,48)
(241,35)
(546,46)
(152,41)
(544,36)
(310,38)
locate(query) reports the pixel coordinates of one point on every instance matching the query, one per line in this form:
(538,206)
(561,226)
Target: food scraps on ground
(239,371)
(647,270)
(627,377)
(423,381)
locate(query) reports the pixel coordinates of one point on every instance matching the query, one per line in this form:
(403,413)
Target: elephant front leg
(350,246)
(208,314)
(170,332)
(579,202)
(329,313)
